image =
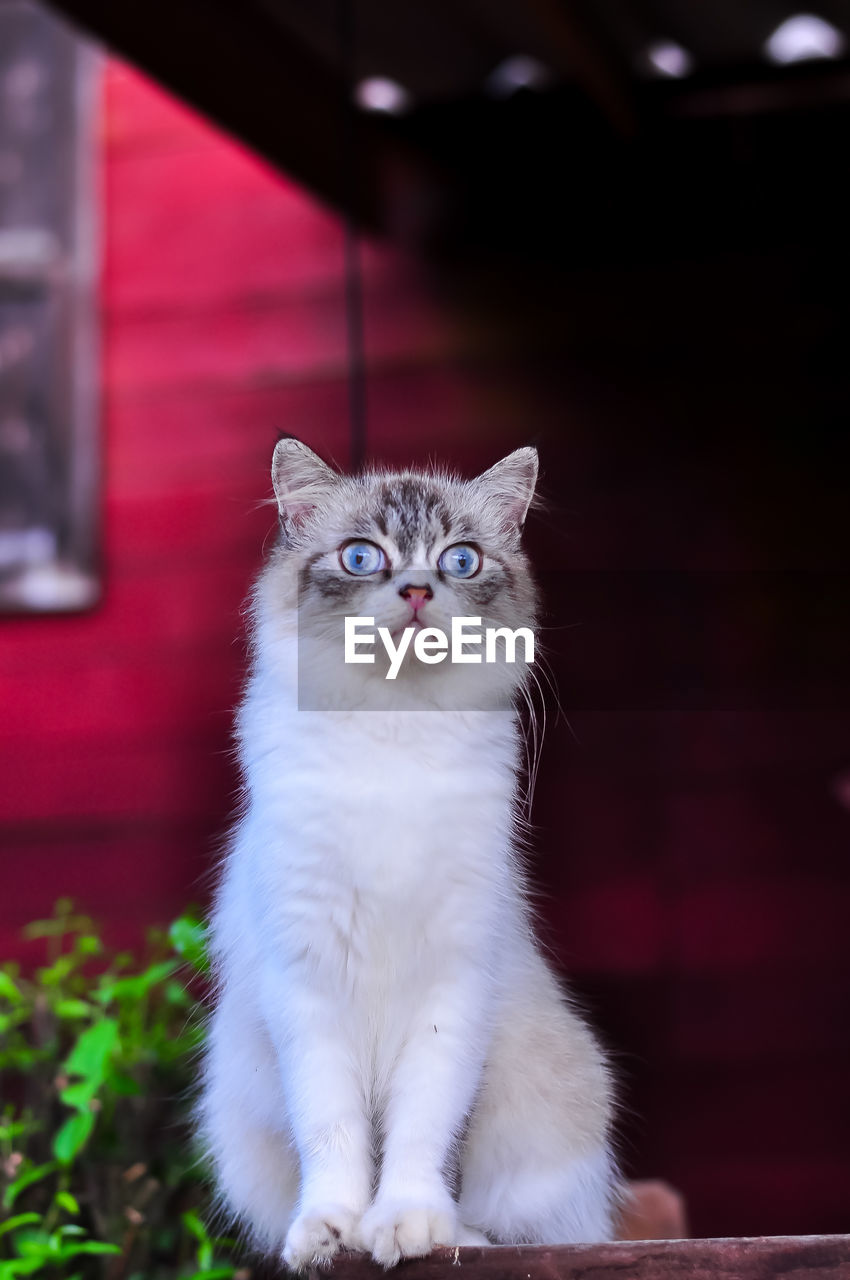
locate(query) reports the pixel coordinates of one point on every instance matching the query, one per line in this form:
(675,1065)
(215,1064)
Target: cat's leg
(328,1115)
(432,1086)
(537,1165)
(241,1123)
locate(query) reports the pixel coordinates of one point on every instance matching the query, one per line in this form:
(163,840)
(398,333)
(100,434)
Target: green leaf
(92,1246)
(19,1267)
(193,1223)
(158,972)
(20,1220)
(66,1201)
(89,1055)
(45,929)
(151,977)
(224,1242)
(8,1021)
(56,973)
(22,1058)
(73,1008)
(72,1136)
(175,994)
(125,1086)
(26,1179)
(88,945)
(137,986)
(33,1244)
(63,922)
(8,1132)
(9,989)
(213,1273)
(188,936)
(79,1094)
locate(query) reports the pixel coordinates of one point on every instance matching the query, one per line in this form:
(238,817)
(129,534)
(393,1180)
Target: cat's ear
(508,487)
(301,482)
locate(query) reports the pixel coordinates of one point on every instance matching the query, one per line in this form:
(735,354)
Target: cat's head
(412,550)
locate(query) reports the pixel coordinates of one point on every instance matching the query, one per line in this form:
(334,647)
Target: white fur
(391,1063)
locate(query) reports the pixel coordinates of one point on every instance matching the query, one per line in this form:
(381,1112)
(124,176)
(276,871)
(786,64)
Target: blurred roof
(450,49)
(391,109)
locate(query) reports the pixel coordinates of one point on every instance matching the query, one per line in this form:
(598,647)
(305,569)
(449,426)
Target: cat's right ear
(509,487)
(301,483)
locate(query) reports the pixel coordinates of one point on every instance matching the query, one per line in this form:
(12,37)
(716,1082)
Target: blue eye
(362,558)
(462,561)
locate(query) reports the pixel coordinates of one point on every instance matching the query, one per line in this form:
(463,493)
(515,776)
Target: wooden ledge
(736,1258)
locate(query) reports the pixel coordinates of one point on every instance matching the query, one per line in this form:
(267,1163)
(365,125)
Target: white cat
(391,1062)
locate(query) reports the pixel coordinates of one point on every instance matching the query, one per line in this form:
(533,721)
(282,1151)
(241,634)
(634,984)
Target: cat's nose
(416,594)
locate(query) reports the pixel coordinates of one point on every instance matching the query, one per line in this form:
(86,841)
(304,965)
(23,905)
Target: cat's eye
(460,561)
(362,558)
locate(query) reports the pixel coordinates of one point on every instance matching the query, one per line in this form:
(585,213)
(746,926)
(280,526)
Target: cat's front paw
(317,1234)
(396,1229)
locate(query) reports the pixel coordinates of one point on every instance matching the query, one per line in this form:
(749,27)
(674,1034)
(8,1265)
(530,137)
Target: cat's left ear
(508,487)
(301,483)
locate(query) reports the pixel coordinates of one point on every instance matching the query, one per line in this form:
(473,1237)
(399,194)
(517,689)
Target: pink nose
(415,596)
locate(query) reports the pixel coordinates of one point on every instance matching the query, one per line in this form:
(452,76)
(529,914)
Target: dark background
(650,282)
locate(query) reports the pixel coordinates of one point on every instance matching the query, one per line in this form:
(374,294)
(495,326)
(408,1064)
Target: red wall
(695,864)
(221,324)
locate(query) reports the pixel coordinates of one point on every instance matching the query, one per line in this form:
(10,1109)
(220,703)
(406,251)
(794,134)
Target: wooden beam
(746,1258)
(235,63)
(577,52)
(795,89)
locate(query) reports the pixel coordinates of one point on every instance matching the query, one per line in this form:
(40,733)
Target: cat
(391,1062)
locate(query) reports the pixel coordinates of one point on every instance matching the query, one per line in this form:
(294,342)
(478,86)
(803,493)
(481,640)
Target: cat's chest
(395,812)
(373,855)
(410,779)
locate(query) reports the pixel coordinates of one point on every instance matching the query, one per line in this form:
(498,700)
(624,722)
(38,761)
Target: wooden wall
(220,324)
(694,861)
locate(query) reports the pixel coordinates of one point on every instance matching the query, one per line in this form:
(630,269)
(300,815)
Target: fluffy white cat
(391,1062)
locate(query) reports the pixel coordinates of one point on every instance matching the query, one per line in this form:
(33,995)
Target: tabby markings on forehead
(408,506)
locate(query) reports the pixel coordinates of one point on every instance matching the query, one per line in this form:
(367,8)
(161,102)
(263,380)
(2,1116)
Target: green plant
(98,1179)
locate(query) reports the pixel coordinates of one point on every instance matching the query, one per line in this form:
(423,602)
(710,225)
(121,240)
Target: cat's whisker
(544,668)
(541,733)
(559,626)
(532,736)
(548,675)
